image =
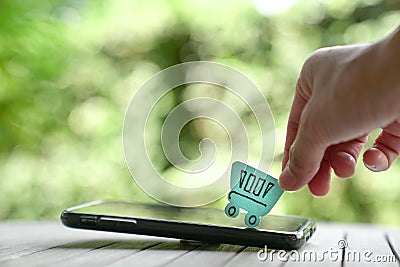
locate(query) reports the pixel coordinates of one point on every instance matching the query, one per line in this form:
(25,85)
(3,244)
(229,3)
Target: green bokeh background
(69,68)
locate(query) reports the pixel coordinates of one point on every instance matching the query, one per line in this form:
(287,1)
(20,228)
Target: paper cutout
(253,191)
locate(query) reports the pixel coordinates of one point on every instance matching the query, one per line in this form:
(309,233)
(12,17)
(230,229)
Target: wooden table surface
(51,244)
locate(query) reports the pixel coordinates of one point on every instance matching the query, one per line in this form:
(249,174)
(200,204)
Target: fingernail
(380,160)
(315,195)
(371,167)
(287,180)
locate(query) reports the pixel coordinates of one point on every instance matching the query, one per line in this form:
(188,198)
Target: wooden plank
(49,244)
(366,245)
(393,237)
(20,239)
(106,255)
(313,253)
(208,255)
(48,256)
(159,255)
(322,249)
(46,243)
(249,257)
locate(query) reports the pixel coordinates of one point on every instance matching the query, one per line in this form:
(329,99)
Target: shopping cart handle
(242,195)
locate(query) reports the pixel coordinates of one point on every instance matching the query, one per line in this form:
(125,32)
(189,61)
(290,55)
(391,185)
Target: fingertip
(343,164)
(319,186)
(319,191)
(375,160)
(317,194)
(287,180)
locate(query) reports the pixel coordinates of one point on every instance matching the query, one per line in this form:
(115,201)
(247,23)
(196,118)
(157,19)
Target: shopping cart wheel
(252,220)
(231,210)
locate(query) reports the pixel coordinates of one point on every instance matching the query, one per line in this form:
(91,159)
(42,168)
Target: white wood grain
(208,255)
(159,255)
(248,257)
(366,245)
(393,237)
(322,249)
(50,244)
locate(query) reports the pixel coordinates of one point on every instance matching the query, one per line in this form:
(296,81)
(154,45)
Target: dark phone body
(200,224)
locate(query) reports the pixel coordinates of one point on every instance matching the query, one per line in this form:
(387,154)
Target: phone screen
(207,216)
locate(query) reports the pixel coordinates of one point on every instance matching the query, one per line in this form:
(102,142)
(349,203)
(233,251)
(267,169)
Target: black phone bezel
(214,234)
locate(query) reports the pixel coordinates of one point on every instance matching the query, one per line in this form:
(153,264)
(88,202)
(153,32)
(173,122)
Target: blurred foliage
(68,69)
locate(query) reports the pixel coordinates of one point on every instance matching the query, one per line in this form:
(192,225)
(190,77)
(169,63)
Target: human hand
(342,94)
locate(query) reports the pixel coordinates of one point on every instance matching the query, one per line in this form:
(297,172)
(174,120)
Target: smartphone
(200,224)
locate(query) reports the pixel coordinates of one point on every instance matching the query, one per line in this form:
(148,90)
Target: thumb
(306,153)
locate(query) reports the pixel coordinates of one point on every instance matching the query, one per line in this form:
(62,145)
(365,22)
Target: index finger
(299,102)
